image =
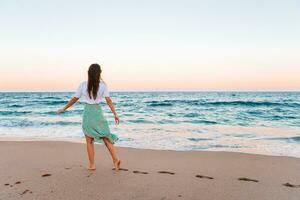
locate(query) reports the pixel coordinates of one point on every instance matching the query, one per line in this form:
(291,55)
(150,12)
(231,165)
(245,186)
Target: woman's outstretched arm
(112,108)
(69,104)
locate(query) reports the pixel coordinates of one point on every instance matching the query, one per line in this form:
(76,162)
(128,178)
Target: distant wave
(15,106)
(69,112)
(170,102)
(277,117)
(199,139)
(208,122)
(288,139)
(138,121)
(159,103)
(166,121)
(51,97)
(50,113)
(29,123)
(220,103)
(255,112)
(192,115)
(14,113)
(249,103)
(52,102)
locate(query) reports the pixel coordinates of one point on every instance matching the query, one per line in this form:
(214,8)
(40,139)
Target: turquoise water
(255,122)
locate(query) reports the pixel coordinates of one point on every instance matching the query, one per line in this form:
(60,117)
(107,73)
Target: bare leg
(91,152)
(113,153)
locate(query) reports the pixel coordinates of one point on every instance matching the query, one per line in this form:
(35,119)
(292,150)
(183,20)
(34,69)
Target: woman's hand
(112,108)
(117,119)
(61,110)
(69,104)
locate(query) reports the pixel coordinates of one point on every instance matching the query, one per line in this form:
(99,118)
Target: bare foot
(117,164)
(91,167)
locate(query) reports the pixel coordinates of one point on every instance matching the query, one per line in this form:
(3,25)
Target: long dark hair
(94,76)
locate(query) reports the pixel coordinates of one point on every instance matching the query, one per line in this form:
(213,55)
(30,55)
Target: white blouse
(82,91)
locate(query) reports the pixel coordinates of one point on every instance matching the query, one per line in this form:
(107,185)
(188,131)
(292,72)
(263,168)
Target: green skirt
(95,125)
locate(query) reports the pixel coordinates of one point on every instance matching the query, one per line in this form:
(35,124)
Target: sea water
(253,122)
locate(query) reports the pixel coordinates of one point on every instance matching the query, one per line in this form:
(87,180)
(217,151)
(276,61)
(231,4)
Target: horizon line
(112,91)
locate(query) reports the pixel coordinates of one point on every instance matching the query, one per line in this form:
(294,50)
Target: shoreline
(147,174)
(79,141)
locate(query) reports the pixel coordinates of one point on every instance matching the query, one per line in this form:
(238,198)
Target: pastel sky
(150,45)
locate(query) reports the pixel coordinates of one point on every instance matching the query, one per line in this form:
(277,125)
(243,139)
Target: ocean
(251,122)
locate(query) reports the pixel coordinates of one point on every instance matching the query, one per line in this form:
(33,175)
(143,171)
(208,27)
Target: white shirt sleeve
(78,92)
(105,92)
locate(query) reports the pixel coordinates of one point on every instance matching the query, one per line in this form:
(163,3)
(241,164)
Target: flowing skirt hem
(99,138)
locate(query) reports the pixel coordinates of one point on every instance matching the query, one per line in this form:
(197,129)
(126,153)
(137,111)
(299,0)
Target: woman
(94,124)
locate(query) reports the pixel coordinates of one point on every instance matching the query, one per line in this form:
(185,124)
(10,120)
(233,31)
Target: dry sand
(22,165)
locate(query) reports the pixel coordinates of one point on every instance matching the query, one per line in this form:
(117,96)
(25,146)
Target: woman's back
(82,92)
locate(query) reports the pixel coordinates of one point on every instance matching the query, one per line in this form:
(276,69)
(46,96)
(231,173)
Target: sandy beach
(56,170)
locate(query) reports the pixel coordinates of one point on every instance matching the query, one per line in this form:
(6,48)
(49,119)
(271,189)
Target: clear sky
(150,45)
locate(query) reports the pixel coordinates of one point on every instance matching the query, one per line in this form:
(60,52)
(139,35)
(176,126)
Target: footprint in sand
(206,177)
(247,179)
(25,191)
(166,172)
(291,185)
(121,169)
(139,172)
(46,175)
(16,183)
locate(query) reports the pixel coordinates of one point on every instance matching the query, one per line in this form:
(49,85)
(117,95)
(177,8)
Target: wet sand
(56,170)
